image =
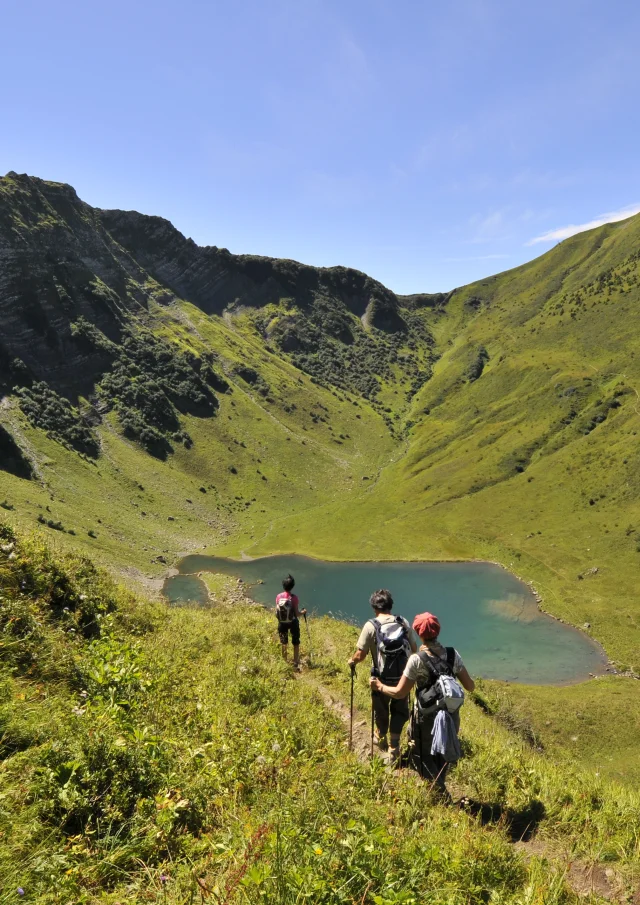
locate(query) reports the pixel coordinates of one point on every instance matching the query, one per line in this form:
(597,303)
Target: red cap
(427,626)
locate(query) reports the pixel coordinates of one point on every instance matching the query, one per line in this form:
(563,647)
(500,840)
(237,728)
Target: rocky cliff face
(213,278)
(58,263)
(61,259)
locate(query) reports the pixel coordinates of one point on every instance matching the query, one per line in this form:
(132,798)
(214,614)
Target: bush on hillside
(251,376)
(47,599)
(329,343)
(475,369)
(151,383)
(50,412)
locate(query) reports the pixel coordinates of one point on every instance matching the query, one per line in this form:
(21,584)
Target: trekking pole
(309,637)
(372,725)
(375,673)
(353,675)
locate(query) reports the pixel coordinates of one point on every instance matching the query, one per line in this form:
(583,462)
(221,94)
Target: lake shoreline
(532,598)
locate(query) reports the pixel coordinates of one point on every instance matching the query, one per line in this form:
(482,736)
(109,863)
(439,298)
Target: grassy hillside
(170,756)
(258,458)
(534,460)
(161,398)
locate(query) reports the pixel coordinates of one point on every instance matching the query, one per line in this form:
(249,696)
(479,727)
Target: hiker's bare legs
(296,655)
(284,651)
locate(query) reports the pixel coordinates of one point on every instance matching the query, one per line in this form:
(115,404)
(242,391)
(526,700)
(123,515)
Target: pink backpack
(285,609)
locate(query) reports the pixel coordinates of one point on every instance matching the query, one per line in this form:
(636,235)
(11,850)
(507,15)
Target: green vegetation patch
(151,384)
(158,755)
(328,342)
(54,414)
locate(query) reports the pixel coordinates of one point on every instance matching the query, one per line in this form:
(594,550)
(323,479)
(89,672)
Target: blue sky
(426,143)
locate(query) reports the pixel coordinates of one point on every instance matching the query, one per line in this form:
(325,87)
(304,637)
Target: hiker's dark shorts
(390,713)
(285,628)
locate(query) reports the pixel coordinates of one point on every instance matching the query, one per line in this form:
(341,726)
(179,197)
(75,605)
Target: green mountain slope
(160,398)
(171,756)
(532,458)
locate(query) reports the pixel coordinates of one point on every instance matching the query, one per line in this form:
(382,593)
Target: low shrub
(50,412)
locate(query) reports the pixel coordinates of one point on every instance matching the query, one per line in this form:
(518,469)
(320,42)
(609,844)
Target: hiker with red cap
(390,640)
(438,674)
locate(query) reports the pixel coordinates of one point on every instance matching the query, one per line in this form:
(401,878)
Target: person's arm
(460,672)
(296,607)
(465,679)
(358,657)
(401,690)
(363,645)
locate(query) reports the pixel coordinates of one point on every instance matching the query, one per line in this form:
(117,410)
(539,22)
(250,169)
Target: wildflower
(78,711)
(163,878)
(20,891)
(275,748)
(261,759)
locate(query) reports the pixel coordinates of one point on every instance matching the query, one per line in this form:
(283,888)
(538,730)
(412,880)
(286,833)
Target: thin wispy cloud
(565,232)
(491,228)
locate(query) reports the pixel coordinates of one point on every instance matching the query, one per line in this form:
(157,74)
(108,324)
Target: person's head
(427,626)
(288,583)
(381,601)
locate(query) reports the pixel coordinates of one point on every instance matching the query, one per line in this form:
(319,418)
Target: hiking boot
(393,757)
(381,742)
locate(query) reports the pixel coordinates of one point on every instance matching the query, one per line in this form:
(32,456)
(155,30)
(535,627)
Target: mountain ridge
(498,422)
(60,258)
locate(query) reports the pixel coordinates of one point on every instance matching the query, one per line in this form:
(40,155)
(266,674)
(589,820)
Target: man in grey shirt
(390,640)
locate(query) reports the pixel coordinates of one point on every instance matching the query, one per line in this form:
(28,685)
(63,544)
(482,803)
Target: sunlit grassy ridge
(534,463)
(504,426)
(153,755)
(251,463)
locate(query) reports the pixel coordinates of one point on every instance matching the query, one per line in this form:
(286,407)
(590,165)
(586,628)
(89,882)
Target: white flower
(275,748)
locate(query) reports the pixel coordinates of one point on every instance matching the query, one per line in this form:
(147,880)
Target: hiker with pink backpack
(288,612)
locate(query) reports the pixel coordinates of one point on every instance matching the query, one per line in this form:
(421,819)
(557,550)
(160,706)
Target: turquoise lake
(487,613)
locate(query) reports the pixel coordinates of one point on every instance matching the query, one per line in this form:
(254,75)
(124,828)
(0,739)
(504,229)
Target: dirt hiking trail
(584,878)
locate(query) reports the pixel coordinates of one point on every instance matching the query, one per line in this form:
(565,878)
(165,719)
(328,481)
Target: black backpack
(427,699)
(393,649)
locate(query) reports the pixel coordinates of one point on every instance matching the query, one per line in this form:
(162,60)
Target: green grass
(534,464)
(569,723)
(284,462)
(151,755)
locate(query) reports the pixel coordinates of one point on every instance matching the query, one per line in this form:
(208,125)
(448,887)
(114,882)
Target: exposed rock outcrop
(61,260)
